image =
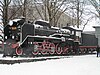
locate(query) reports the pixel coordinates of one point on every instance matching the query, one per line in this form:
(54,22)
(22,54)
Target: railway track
(9,60)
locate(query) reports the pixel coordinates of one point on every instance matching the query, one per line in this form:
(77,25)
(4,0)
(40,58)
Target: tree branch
(15,12)
(9,1)
(38,10)
(86,23)
(1,3)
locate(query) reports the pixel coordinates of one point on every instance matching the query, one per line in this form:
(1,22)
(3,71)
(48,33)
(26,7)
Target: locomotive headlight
(13,37)
(13,28)
(5,37)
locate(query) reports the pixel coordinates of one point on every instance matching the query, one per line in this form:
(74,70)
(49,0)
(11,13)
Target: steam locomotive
(39,38)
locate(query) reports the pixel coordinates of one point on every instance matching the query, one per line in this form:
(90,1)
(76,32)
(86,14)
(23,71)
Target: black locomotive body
(26,39)
(22,38)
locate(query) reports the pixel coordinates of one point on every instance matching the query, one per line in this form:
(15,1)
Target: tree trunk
(78,13)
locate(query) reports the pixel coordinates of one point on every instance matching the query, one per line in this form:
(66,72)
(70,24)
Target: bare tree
(51,10)
(23,8)
(13,8)
(96,4)
(80,11)
(20,7)
(4,9)
(77,10)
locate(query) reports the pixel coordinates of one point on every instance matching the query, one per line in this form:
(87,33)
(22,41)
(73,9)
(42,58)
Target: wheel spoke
(52,48)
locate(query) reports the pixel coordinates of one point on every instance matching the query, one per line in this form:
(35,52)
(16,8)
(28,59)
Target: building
(97,33)
(89,38)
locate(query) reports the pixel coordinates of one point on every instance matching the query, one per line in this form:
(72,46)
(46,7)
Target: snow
(38,26)
(42,20)
(75,27)
(75,65)
(55,27)
(25,58)
(14,20)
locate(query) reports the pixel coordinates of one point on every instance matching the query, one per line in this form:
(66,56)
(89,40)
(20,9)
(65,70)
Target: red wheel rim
(19,51)
(43,48)
(58,49)
(44,52)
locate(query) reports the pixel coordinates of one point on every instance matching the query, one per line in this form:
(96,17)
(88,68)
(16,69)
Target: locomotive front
(12,36)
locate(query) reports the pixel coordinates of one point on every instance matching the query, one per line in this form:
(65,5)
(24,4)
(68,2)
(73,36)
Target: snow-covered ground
(75,65)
